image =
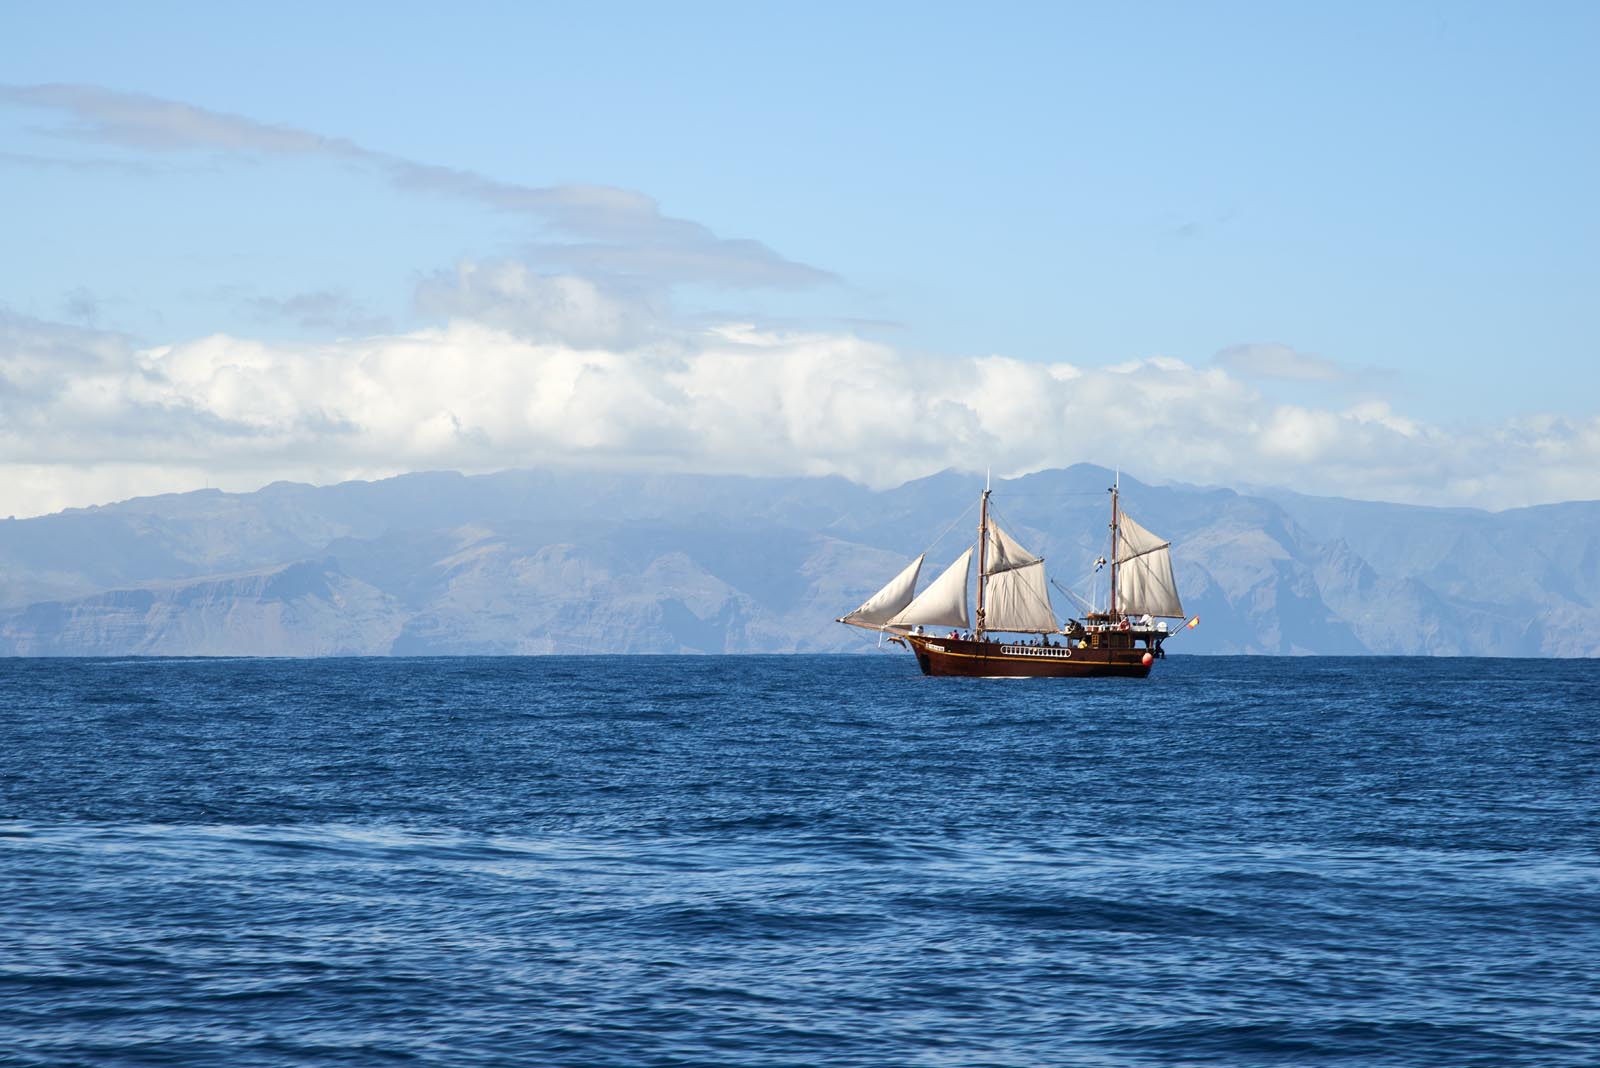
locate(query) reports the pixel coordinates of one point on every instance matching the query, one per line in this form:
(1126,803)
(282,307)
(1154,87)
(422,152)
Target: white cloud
(89,417)
(582,361)
(511,295)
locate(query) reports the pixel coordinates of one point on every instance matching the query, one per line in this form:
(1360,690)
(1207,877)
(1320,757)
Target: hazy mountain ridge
(545,562)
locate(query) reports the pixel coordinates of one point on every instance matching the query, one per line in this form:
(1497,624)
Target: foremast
(1012,590)
(983,554)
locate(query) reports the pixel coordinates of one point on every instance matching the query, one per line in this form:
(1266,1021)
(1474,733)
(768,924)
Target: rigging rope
(948,529)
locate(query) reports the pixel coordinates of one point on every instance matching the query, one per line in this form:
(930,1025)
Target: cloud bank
(575,357)
(90,417)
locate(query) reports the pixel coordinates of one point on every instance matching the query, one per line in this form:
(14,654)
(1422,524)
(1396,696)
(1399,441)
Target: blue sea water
(798,861)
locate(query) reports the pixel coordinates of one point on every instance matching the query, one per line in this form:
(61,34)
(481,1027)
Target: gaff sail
(1016,593)
(1004,553)
(1018,600)
(1145,585)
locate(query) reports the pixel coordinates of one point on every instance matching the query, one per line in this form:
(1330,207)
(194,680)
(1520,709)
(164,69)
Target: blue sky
(1379,209)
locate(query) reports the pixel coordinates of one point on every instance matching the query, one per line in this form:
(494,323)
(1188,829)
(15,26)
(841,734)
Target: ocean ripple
(797,861)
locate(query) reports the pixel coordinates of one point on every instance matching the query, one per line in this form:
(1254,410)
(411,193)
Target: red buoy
(1147,660)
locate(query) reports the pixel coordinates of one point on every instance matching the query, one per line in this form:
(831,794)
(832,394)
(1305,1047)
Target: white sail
(1133,540)
(889,601)
(1004,554)
(1019,600)
(943,603)
(1144,573)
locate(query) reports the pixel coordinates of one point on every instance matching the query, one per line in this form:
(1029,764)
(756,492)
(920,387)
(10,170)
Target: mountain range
(536,561)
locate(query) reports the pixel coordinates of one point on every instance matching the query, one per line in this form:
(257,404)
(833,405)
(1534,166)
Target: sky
(1343,249)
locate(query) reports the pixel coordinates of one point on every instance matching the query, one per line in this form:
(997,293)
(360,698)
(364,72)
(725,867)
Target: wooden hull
(1111,655)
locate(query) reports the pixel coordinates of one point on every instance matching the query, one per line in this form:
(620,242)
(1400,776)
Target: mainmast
(983,550)
(1112,611)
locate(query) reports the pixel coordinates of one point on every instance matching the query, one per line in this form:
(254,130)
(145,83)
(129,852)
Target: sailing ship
(1015,631)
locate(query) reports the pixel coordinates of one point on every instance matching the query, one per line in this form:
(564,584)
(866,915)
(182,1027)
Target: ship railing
(1134,627)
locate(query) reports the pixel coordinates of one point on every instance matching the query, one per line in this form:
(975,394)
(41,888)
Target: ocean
(798,861)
